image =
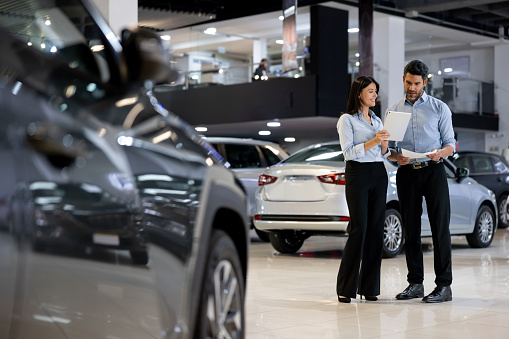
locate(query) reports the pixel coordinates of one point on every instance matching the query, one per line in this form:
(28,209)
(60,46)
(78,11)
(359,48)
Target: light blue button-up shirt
(430,125)
(354,131)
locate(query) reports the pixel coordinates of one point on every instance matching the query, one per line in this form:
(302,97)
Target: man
(260,72)
(429,129)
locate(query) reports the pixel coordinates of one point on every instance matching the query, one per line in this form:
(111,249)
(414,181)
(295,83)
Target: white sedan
(304,195)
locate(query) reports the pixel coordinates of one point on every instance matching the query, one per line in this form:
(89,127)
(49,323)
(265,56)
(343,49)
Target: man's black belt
(422,164)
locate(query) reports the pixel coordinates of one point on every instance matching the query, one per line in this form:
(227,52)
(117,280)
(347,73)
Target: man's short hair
(417,67)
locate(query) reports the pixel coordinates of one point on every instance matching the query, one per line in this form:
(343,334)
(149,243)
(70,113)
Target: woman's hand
(382,136)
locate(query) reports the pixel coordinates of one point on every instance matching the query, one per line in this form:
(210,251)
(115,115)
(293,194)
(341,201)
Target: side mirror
(461,173)
(146,57)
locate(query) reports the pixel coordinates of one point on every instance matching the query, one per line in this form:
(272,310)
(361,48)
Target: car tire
(393,233)
(139,257)
(221,311)
(484,229)
(286,242)
(264,236)
(503,212)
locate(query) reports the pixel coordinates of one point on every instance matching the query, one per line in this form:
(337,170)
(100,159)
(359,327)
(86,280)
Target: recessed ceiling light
(273,124)
(201,129)
(263,132)
(289,139)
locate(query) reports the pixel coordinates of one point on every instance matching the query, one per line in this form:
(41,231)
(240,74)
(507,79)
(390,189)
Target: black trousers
(431,183)
(366,194)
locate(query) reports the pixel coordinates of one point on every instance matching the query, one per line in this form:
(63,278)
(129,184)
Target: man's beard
(415,96)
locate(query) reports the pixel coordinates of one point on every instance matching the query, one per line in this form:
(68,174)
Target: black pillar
(329,59)
(366,37)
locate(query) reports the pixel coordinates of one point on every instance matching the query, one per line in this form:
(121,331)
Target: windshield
(61,29)
(317,153)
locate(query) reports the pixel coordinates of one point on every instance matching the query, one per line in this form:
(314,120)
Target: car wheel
(503,212)
(221,313)
(393,233)
(139,257)
(286,241)
(262,235)
(484,229)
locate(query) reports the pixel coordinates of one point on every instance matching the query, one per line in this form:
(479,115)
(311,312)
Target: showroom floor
(293,296)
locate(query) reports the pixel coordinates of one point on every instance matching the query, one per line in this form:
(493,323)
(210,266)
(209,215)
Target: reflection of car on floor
(492,171)
(248,158)
(304,195)
(91,159)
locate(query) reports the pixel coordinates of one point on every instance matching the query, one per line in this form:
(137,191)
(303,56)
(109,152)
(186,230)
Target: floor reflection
(293,296)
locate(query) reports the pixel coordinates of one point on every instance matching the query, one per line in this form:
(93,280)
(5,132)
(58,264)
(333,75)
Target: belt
(422,164)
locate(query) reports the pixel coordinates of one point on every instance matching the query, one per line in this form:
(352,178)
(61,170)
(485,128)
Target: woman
(364,144)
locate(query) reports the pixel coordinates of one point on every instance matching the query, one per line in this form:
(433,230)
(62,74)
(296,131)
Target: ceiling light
(289,139)
(273,124)
(353,30)
(210,31)
(448,70)
(201,129)
(263,132)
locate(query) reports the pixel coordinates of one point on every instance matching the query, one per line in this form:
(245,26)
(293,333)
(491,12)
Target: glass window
(60,29)
(270,156)
(462,162)
(482,164)
(317,154)
(242,156)
(499,165)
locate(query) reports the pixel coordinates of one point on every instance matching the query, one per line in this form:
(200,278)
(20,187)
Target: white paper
(396,123)
(414,155)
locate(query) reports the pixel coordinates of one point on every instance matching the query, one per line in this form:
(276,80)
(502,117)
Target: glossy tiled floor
(293,296)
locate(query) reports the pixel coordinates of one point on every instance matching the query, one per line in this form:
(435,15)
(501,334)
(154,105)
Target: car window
(449,173)
(317,154)
(499,165)
(242,156)
(62,30)
(462,161)
(482,164)
(270,156)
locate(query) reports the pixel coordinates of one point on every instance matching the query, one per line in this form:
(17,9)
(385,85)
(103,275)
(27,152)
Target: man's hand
(403,160)
(436,155)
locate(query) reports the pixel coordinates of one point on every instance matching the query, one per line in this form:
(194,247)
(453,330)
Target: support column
(118,13)
(366,38)
(389,59)
(329,59)
(259,52)
(501,101)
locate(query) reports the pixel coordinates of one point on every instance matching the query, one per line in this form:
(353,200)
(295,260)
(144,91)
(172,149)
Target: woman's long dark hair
(354,102)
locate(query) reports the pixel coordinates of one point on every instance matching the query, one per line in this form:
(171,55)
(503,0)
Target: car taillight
(336,178)
(265,179)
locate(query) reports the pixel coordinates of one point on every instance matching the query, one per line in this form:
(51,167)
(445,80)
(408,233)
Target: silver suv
(248,158)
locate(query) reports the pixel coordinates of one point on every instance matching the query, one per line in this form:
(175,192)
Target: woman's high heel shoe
(345,300)
(369,298)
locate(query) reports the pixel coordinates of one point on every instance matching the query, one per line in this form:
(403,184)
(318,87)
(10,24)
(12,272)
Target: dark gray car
(116,218)
(492,171)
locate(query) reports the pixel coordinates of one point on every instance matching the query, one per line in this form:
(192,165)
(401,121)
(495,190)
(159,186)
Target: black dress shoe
(412,291)
(369,298)
(345,300)
(439,295)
